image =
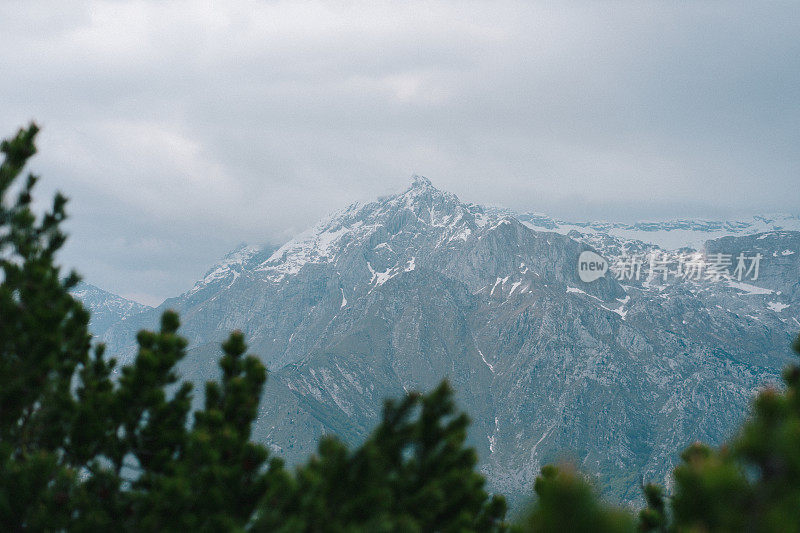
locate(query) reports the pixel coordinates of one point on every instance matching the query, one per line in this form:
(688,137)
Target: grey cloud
(181,129)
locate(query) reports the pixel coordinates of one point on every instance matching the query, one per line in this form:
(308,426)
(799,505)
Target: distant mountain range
(397,294)
(667,234)
(106,308)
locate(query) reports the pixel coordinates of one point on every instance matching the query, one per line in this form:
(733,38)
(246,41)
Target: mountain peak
(420,182)
(422,190)
(421,211)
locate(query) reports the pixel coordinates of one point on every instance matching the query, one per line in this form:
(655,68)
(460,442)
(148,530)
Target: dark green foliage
(750,484)
(413,474)
(653,517)
(567,502)
(43,340)
(753,483)
(82,451)
(85,446)
(214,480)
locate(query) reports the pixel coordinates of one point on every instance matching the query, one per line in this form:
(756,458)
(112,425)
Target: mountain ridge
(392,295)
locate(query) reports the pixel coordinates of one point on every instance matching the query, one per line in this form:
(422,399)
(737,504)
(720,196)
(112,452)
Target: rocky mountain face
(671,234)
(107,309)
(397,294)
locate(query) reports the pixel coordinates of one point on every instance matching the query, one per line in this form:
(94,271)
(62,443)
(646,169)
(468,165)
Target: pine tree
(82,451)
(753,482)
(43,340)
(565,501)
(217,478)
(653,518)
(413,473)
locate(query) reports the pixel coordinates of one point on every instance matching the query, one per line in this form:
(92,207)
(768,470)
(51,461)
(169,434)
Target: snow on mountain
(667,234)
(229,267)
(428,208)
(396,294)
(105,307)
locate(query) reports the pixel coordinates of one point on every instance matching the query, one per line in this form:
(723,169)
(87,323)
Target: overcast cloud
(180,129)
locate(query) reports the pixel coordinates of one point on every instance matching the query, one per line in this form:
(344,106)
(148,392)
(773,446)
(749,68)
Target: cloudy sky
(180,129)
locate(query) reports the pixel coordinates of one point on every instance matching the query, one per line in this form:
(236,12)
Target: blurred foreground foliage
(87,446)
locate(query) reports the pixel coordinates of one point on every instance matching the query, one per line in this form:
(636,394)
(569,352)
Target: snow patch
(501,282)
(777,306)
(748,289)
(493,438)
(491,367)
(382,277)
(576,290)
(312,246)
(225,267)
(462,235)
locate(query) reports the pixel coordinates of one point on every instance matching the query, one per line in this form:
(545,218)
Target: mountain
(397,294)
(106,308)
(669,234)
